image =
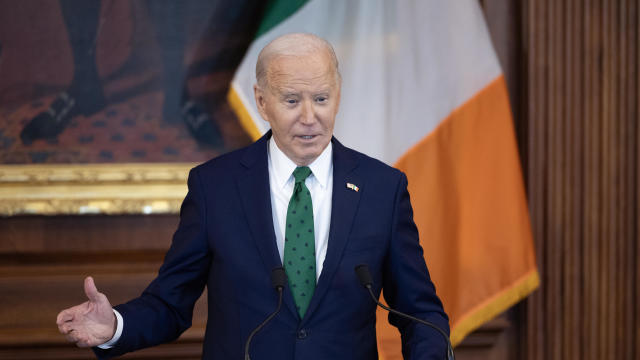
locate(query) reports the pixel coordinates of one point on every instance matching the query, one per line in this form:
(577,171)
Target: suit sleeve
(408,287)
(165,308)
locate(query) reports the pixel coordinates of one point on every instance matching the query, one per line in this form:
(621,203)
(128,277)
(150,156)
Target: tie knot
(301,173)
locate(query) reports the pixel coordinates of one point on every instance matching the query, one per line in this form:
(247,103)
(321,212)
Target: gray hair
(295,44)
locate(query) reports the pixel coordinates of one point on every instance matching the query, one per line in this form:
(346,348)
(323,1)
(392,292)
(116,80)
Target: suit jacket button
(302,333)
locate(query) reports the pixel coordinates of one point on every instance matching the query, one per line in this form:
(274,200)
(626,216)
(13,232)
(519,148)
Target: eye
(321,99)
(291,101)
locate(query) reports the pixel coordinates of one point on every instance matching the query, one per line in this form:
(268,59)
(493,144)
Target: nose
(307,115)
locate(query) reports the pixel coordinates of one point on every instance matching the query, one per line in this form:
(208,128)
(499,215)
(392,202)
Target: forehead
(314,70)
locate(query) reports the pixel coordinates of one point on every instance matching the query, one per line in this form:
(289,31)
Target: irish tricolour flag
(423,91)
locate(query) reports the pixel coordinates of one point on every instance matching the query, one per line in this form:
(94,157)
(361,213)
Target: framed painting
(105,105)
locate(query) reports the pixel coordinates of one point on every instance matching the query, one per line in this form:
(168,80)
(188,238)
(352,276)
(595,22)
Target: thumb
(90,290)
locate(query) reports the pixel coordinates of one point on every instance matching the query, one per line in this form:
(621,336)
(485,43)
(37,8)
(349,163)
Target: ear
(259,95)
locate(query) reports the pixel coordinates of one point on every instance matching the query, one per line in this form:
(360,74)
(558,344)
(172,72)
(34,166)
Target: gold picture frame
(77,189)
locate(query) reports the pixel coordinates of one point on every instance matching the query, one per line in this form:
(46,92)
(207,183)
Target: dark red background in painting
(36,64)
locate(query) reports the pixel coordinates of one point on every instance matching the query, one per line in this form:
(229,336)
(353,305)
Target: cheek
(327,119)
(280,119)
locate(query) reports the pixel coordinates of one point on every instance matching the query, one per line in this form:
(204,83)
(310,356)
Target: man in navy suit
(295,198)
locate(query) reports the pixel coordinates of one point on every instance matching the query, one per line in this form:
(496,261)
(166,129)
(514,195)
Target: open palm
(91,323)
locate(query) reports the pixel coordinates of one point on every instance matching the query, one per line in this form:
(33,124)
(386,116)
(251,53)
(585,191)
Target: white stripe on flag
(406,65)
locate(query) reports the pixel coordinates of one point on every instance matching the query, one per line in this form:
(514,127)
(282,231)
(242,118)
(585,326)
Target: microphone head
(278,278)
(364,275)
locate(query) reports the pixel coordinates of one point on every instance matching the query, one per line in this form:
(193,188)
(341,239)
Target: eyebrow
(288,92)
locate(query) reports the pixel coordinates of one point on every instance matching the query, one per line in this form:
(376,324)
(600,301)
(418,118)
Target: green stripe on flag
(276,11)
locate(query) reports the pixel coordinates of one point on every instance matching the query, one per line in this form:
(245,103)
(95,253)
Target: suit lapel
(255,192)
(343,209)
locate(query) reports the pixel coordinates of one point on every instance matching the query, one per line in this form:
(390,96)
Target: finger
(90,289)
(82,342)
(67,328)
(64,328)
(71,337)
(64,316)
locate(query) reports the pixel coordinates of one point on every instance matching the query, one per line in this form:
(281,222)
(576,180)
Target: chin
(310,153)
(308,158)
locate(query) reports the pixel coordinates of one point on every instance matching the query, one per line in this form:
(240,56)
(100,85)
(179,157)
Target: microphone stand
(278,279)
(366,280)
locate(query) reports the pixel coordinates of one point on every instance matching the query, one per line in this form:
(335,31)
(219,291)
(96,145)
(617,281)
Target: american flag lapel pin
(353,187)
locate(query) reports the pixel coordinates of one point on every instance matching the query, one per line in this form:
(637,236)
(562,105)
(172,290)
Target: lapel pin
(353,187)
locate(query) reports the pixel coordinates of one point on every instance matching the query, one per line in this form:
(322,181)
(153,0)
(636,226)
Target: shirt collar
(283,166)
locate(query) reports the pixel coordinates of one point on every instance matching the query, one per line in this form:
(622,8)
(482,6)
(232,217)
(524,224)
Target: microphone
(278,281)
(364,276)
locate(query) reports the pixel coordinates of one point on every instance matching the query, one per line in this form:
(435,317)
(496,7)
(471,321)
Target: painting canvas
(89,87)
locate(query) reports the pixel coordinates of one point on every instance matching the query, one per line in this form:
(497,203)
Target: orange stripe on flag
(470,207)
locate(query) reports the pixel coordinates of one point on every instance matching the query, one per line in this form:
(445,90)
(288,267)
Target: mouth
(306,137)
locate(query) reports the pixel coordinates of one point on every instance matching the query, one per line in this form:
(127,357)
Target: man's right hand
(91,323)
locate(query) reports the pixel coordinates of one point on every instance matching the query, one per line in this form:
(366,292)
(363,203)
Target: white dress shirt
(320,185)
(281,182)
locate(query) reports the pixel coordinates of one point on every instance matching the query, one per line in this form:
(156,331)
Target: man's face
(300,102)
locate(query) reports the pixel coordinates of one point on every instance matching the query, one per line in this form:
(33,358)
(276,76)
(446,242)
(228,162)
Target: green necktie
(299,243)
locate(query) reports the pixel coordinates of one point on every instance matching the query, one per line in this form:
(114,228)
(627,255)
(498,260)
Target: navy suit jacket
(226,242)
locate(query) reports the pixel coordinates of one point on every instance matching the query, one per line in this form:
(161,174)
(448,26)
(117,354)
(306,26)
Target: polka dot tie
(299,243)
